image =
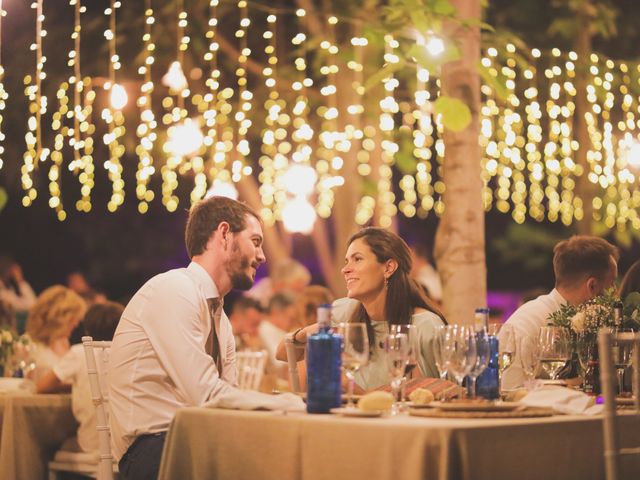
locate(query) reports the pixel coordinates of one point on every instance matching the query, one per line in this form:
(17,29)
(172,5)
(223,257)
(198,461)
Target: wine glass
(555,349)
(397,348)
(439,354)
(483,352)
(507,348)
(459,346)
(414,350)
(621,358)
(355,353)
(528,353)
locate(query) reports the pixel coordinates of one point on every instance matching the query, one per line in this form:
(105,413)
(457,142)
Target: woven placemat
(519,413)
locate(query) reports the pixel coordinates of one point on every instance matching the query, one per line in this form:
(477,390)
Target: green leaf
(422,58)
(456,115)
(375,79)
(3,198)
(419,20)
(443,7)
(497,84)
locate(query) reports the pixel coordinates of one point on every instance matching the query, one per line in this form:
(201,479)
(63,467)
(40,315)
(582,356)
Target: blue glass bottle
(488,383)
(324,362)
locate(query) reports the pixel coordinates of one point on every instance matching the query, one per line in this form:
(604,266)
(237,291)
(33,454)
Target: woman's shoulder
(343,308)
(423,317)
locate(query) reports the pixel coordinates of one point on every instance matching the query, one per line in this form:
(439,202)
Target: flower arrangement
(590,316)
(10,341)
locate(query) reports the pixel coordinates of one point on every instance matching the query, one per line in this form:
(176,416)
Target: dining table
(234,444)
(32,428)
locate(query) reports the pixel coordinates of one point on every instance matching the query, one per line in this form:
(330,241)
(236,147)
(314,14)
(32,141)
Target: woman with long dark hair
(381,292)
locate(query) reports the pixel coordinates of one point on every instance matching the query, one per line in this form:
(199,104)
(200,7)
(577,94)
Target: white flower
(578,322)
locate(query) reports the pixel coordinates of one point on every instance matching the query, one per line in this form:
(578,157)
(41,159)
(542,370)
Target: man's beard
(240,280)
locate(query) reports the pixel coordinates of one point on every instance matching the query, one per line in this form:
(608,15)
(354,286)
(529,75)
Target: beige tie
(213,344)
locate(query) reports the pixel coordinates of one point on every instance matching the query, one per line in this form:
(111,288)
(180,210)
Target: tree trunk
(584,188)
(459,247)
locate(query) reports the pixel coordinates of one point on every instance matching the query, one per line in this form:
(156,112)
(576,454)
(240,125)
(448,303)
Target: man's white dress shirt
(158,361)
(526,322)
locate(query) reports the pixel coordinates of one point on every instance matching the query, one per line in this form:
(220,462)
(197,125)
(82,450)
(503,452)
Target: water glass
(555,349)
(355,353)
(397,348)
(483,352)
(459,345)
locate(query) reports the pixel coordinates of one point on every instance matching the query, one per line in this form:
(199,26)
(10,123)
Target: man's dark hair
(280,301)
(101,320)
(580,257)
(206,215)
(243,303)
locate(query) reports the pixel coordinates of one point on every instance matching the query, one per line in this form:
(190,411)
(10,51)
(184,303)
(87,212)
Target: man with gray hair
(584,267)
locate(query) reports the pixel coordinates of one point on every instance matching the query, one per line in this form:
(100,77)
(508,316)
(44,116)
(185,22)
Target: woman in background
(51,320)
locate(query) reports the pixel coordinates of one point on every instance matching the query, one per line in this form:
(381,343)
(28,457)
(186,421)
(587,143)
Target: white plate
(421,405)
(476,406)
(356,412)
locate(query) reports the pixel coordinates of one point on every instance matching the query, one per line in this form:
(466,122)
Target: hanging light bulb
(220,188)
(174,78)
(185,138)
(300,180)
(118,97)
(298,216)
(434,45)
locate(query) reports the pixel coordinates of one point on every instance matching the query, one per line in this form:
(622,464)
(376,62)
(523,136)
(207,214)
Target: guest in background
(381,292)
(246,315)
(51,320)
(14,289)
(631,281)
(424,272)
(100,323)
(7,315)
(77,281)
(584,267)
(286,276)
(273,328)
(307,303)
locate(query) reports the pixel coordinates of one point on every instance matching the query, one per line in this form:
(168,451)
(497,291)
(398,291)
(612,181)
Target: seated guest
(307,303)
(7,316)
(631,281)
(425,273)
(245,317)
(100,323)
(273,328)
(584,267)
(14,289)
(174,346)
(287,276)
(78,282)
(380,292)
(51,320)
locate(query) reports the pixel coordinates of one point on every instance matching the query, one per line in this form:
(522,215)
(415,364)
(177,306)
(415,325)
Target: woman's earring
(386,282)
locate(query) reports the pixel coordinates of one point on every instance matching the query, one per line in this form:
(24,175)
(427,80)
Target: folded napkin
(235,398)
(563,400)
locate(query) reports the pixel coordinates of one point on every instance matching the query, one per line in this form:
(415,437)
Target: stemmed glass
(459,346)
(414,350)
(528,352)
(439,354)
(507,348)
(397,347)
(555,349)
(483,352)
(355,353)
(622,358)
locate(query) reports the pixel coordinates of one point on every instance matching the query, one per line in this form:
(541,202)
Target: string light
(35,151)
(146,130)
(3,93)
(112,115)
(242,116)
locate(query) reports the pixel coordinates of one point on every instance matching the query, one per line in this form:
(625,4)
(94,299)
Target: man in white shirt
(584,266)
(279,319)
(174,346)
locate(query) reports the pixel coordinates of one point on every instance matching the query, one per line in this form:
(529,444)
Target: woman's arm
(299,339)
(50,383)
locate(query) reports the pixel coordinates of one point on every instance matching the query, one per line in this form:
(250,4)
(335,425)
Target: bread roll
(376,401)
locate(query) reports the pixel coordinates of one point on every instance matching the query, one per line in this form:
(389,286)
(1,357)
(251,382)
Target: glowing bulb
(300,179)
(174,78)
(118,97)
(434,45)
(220,188)
(298,216)
(185,138)
(633,155)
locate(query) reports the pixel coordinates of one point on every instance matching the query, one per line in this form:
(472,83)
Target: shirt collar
(203,280)
(558,297)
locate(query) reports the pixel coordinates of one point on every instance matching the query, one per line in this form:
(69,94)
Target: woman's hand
(299,339)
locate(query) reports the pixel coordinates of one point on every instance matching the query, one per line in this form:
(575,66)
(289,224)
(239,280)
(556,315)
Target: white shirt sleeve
(22,302)
(68,367)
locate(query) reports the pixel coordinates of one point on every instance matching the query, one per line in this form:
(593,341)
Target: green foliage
(3,198)
(601,16)
(456,115)
(528,245)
